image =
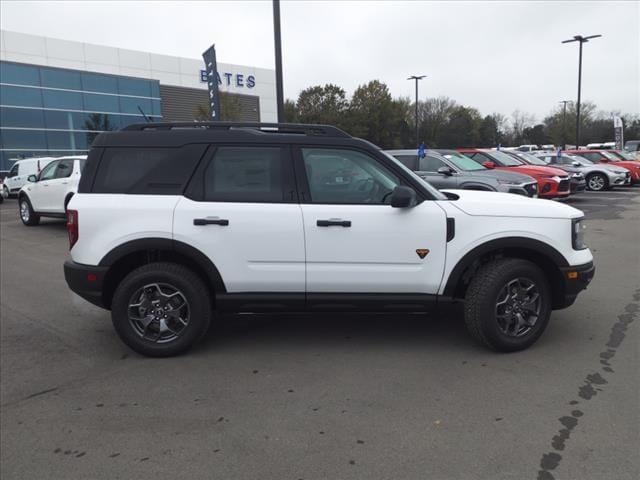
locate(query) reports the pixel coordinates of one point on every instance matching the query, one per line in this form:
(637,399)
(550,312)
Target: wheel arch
(543,255)
(130,255)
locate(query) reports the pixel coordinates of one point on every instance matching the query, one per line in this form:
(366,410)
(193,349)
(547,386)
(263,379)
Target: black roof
(173,134)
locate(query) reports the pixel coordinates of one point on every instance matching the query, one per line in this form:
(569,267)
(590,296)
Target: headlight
(577,234)
(555,178)
(507,182)
(577,175)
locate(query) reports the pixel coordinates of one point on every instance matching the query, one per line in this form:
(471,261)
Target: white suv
(172,222)
(48,193)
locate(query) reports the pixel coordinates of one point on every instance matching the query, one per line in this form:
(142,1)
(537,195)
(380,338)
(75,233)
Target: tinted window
(21,117)
(20,96)
(19,74)
(57,78)
(158,171)
(100,103)
(61,99)
(347,177)
(14,171)
(83,162)
(94,82)
(431,164)
(65,168)
(245,174)
(409,161)
(49,171)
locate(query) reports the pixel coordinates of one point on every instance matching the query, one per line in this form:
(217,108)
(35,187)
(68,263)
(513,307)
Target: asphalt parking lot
(311,397)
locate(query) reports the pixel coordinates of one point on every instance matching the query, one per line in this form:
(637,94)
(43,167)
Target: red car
(605,156)
(552,182)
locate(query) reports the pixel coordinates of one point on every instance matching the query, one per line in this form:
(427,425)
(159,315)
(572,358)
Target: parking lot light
(580,39)
(416,78)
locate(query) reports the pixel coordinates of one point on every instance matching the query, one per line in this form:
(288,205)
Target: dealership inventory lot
(341,396)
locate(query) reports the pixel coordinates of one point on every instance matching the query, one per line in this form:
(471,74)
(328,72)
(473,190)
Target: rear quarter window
(146,171)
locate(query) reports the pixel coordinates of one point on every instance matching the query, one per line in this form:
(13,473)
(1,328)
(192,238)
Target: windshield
(504,159)
(533,160)
(610,156)
(434,192)
(463,162)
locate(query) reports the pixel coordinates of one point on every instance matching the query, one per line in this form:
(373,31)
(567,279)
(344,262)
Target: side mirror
(32,178)
(489,164)
(445,171)
(575,164)
(403,197)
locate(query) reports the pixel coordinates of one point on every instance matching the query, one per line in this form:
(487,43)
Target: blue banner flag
(421,150)
(559,152)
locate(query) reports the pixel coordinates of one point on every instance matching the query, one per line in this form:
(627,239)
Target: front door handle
(334,222)
(211,221)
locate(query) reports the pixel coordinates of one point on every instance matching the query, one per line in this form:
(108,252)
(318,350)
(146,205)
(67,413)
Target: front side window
(49,171)
(65,168)
(245,174)
(14,170)
(409,161)
(431,164)
(504,160)
(594,157)
(338,176)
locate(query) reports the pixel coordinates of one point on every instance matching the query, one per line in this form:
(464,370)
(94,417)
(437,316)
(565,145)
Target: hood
(608,167)
(494,204)
(512,177)
(627,164)
(537,170)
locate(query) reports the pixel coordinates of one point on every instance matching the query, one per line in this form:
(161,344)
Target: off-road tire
(481,298)
(188,283)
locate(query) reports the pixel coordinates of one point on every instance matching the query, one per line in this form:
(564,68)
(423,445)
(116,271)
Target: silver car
(451,169)
(599,176)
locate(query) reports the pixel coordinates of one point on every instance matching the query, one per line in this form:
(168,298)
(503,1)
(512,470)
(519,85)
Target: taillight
(72,227)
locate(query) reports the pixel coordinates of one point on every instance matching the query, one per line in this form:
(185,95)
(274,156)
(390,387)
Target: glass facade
(46,111)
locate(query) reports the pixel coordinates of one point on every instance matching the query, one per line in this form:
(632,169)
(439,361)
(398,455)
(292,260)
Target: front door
(355,241)
(244,215)
(57,187)
(39,192)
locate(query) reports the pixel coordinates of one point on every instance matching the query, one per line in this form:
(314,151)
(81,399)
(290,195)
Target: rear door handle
(211,221)
(334,222)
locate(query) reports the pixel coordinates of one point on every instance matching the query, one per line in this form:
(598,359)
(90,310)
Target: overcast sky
(495,56)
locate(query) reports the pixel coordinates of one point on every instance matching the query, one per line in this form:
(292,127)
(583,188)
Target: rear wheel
(27,215)
(597,182)
(508,304)
(161,309)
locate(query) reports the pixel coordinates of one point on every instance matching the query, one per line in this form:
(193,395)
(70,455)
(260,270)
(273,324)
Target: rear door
(242,211)
(355,241)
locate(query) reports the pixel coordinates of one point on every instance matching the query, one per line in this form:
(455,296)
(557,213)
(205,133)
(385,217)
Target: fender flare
(522,243)
(167,244)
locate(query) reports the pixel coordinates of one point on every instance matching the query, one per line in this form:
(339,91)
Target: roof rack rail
(308,129)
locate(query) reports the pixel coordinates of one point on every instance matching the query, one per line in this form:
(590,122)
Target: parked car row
(543,174)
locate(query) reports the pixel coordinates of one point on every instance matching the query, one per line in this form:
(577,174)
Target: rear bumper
(575,279)
(86,281)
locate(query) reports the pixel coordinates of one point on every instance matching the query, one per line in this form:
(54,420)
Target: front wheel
(508,304)
(597,182)
(27,215)
(161,309)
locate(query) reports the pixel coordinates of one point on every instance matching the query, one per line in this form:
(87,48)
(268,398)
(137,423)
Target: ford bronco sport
(175,221)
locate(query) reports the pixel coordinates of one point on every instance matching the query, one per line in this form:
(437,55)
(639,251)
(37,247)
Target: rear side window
(150,171)
(245,174)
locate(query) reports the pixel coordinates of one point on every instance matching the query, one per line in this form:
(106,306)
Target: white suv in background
(47,194)
(20,171)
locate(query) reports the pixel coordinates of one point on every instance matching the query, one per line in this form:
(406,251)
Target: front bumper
(86,281)
(574,280)
(548,188)
(578,185)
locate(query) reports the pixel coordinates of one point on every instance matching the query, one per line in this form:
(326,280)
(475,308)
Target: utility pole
(581,40)
(564,123)
(278,49)
(417,78)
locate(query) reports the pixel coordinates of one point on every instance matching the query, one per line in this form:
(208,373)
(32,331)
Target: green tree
(463,128)
(290,111)
(325,105)
(489,133)
(375,116)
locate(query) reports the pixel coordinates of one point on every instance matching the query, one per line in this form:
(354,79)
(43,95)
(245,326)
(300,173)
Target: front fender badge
(422,252)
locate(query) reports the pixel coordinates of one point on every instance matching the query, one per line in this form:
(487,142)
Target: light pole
(278,48)
(564,123)
(581,40)
(416,78)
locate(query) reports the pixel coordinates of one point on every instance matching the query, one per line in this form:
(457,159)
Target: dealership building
(57,95)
